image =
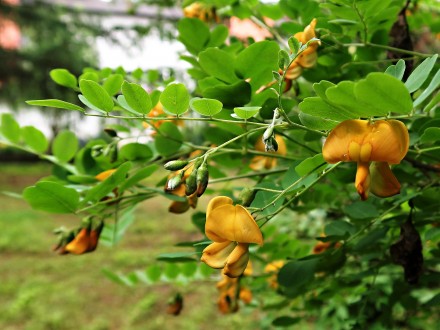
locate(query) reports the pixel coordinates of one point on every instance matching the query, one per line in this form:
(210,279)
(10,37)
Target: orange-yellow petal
(307,58)
(294,71)
(80,244)
(362,182)
(237,261)
(308,33)
(210,226)
(215,255)
(104,175)
(178,207)
(383,181)
(337,145)
(258,163)
(390,141)
(245,295)
(359,140)
(232,223)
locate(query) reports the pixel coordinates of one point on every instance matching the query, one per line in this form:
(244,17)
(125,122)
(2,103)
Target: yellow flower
(203,12)
(381,143)
(273,268)
(232,229)
(104,175)
(230,290)
(309,56)
(260,162)
(86,240)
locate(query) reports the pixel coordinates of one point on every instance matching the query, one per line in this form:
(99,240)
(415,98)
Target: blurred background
(38,288)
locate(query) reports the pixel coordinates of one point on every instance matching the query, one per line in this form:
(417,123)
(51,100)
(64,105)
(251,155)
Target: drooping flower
(266,162)
(273,268)
(231,291)
(373,146)
(232,229)
(83,241)
(175,305)
(305,60)
(309,56)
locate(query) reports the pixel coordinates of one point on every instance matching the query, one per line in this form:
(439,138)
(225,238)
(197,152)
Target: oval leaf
(96,95)
(169,139)
(136,97)
(64,78)
(35,139)
(246,112)
(52,197)
(383,93)
(420,74)
(54,103)
(113,84)
(206,107)
(135,151)
(175,99)
(9,128)
(65,146)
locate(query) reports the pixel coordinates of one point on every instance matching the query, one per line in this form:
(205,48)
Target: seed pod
(191,183)
(202,179)
(271,145)
(174,181)
(111,132)
(247,196)
(175,165)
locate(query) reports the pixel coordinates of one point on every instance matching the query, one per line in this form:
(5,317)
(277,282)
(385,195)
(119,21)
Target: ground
(42,290)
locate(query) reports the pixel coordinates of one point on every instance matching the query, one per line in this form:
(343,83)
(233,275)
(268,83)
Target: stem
(421,151)
(148,119)
(249,175)
(393,49)
(398,203)
(274,32)
(362,20)
(213,150)
(298,194)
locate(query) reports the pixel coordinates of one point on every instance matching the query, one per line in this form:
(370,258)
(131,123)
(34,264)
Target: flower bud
(191,183)
(202,179)
(247,196)
(174,181)
(175,165)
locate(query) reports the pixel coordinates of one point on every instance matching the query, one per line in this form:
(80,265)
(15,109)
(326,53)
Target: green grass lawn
(42,290)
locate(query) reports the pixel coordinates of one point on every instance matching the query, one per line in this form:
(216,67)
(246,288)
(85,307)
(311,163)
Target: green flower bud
(247,196)
(174,181)
(191,183)
(175,165)
(202,179)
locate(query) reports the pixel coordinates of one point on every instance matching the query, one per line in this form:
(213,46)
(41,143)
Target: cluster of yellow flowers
(309,56)
(83,241)
(232,229)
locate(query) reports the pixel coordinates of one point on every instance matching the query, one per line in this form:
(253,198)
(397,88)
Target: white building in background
(150,53)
